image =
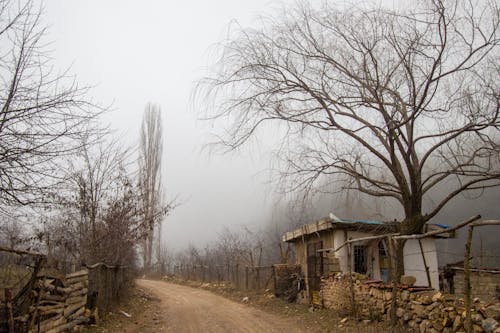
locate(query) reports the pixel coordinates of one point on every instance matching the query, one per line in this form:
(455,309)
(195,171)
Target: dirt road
(185,309)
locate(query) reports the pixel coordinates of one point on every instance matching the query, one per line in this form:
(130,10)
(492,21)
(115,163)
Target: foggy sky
(153,51)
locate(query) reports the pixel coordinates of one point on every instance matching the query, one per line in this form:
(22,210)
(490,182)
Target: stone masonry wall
(422,311)
(484,285)
(335,294)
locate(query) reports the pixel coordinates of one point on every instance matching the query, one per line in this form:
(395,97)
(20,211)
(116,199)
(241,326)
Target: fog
(154,51)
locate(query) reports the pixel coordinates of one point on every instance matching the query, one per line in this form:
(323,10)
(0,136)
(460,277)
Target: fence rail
(255,278)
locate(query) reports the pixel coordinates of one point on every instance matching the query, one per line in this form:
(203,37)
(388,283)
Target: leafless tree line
(232,252)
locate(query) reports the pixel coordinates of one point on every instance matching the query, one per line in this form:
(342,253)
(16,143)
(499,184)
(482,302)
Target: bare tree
(42,112)
(150,157)
(12,234)
(390,103)
(97,179)
(94,216)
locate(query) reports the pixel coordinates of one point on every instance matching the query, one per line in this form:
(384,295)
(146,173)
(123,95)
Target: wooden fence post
(8,310)
(392,243)
(246,278)
(468,321)
(351,283)
(257,278)
(237,280)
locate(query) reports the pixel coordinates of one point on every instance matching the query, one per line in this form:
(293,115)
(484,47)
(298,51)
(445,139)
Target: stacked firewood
(60,303)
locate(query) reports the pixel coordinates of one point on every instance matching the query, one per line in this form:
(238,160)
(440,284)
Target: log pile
(60,303)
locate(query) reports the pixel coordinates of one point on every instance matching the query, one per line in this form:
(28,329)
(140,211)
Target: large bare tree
(43,113)
(150,157)
(392,103)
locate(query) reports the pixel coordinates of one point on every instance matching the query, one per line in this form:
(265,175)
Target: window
(359,259)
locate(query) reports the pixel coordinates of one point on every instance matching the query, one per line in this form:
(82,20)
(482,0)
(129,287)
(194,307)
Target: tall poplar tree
(150,157)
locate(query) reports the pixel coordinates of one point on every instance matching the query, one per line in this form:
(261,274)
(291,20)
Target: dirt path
(185,309)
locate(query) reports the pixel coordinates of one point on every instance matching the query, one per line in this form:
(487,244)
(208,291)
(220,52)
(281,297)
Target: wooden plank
(73,308)
(68,326)
(48,324)
(335,249)
(51,311)
(83,279)
(48,307)
(53,298)
(35,254)
(68,290)
(478,270)
(77,314)
(437,232)
(485,222)
(78,292)
(83,272)
(76,299)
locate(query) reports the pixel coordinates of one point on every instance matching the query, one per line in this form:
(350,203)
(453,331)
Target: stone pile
(419,309)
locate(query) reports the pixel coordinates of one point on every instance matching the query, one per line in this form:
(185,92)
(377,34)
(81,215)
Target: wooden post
(8,310)
(237,280)
(246,278)
(468,321)
(351,283)
(257,278)
(392,243)
(425,263)
(274,278)
(306,268)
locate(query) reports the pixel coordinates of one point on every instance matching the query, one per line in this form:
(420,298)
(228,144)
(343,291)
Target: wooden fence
(58,304)
(39,299)
(107,286)
(256,278)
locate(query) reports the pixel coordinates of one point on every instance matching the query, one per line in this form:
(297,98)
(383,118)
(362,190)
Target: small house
(317,251)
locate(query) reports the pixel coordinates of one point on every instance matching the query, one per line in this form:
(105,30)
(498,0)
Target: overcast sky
(136,52)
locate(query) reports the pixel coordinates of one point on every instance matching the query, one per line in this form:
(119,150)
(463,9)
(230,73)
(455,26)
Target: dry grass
(140,305)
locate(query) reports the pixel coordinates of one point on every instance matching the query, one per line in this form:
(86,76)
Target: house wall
(333,239)
(339,238)
(373,268)
(301,254)
(414,263)
(301,247)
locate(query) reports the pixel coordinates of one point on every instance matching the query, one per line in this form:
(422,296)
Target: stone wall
(418,310)
(484,285)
